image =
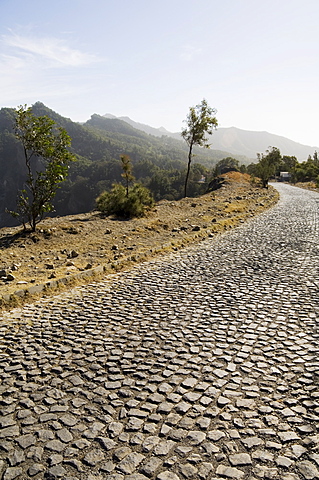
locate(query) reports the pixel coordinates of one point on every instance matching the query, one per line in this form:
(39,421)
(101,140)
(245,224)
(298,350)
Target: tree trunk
(188,168)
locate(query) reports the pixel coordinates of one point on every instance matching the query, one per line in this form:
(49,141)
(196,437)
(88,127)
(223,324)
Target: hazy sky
(255,61)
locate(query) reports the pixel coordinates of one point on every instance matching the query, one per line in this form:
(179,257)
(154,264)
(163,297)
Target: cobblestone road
(199,365)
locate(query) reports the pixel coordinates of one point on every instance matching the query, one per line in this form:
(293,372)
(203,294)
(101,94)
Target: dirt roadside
(73,246)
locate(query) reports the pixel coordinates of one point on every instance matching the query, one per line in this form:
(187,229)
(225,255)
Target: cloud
(43,68)
(189,53)
(54,51)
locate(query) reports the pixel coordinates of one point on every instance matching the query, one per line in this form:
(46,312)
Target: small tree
(266,166)
(127,172)
(289,164)
(125,201)
(228,164)
(200,122)
(46,159)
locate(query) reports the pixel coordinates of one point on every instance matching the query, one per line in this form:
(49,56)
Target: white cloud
(189,53)
(52,50)
(44,68)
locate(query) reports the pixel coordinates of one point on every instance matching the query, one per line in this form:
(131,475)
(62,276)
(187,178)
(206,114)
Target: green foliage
(267,164)
(225,165)
(125,201)
(272,164)
(307,171)
(46,160)
(117,202)
(159,163)
(200,122)
(127,171)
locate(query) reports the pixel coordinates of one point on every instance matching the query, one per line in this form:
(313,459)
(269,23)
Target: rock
(16,458)
(188,470)
(298,450)
(136,476)
(64,435)
(282,461)
(196,437)
(164,447)
(26,441)
(222,401)
(167,475)
(11,431)
(288,436)
(11,473)
(56,472)
(106,443)
(55,446)
(151,466)
(115,428)
(55,459)
(308,470)
(129,464)
(150,442)
(121,453)
(93,457)
(229,472)
(251,442)
(35,469)
(204,470)
(240,459)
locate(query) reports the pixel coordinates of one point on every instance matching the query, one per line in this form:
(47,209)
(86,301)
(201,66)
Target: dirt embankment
(63,247)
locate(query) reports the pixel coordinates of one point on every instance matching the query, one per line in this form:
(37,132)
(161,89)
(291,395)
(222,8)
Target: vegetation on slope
(159,162)
(68,246)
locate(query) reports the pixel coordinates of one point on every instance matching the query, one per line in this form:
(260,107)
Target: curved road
(199,365)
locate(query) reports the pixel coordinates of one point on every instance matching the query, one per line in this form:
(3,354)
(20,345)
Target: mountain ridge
(237,141)
(158,162)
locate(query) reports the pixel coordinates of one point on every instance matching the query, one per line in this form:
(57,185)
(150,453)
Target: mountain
(245,142)
(158,162)
(236,141)
(158,156)
(156,132)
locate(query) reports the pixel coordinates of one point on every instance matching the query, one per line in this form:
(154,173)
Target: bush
(118,202)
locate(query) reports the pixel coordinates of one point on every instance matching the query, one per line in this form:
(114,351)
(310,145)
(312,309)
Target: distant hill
(158,156)
(238,142)
(158,161)
(245,142)
(157,132)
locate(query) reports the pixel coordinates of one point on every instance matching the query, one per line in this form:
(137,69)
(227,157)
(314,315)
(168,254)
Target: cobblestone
(202,364)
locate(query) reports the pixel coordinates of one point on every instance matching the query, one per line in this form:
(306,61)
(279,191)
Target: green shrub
(118,201)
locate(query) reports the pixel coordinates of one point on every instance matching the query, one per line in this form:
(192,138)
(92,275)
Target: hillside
(243,144)
(158,163)
(158,157)
(78,245)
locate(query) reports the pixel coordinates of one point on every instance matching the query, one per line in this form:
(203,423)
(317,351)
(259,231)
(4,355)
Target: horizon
(123,117)
(231,126)
(256,63)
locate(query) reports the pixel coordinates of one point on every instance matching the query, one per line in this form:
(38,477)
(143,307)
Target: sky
(255,61)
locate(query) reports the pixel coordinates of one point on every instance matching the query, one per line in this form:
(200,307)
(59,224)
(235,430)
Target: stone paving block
(229,472)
